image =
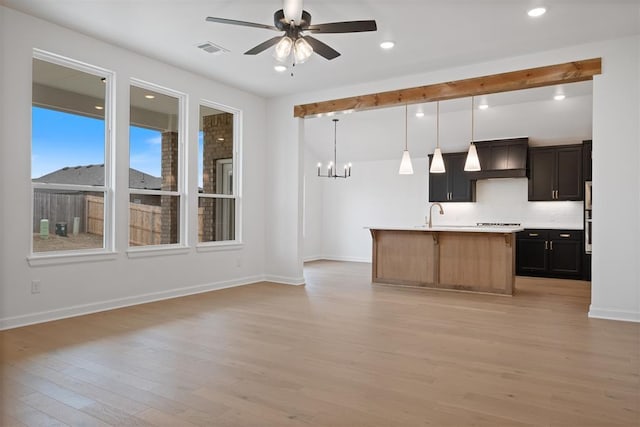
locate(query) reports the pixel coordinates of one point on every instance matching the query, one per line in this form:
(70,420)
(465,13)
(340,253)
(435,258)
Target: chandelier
(332,166)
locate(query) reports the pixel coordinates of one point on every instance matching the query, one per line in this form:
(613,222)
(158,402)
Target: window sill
(70,258)
(220,246)
(145,252)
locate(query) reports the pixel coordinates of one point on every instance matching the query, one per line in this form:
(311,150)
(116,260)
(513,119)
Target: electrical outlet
(35,286)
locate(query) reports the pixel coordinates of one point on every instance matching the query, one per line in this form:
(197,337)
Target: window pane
(67,220)
(68,130)
(153,140)
(216,219)
(215,151)
(153,220)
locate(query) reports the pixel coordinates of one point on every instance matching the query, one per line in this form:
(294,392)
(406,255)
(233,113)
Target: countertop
(454,228)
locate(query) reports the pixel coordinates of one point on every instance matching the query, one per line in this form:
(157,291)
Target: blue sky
(61,139)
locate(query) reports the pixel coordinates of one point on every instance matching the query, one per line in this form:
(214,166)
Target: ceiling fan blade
(343,27)
(322,49)
(263,46)
(242,23)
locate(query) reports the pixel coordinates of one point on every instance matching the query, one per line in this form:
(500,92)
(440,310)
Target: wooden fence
(145,221)
(57,207)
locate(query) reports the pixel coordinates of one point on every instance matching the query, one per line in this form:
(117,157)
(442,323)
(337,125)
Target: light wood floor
(337,352)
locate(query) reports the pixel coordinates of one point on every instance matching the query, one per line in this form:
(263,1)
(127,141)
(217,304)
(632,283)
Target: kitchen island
(468,258)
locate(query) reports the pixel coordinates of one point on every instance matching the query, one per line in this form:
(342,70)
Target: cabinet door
(460,185)
(438,184)
(565,254)
(531,253)
(586,160)
(542,172)
(569,184)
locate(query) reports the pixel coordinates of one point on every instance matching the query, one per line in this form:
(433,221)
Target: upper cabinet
(502,158)
(586,159)
(455,185)
(555,173)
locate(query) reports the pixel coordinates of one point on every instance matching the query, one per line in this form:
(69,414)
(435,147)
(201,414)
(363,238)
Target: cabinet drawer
(565,234)
(532,234)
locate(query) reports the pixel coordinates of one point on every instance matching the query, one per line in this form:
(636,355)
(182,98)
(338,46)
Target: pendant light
(473,162)
(406,168)
(437,162)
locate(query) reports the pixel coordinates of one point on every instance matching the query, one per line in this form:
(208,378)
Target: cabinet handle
(533,234)
(565,235)
(551,245)
(546,245)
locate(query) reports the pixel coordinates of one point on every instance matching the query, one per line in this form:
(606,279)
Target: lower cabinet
(550,253)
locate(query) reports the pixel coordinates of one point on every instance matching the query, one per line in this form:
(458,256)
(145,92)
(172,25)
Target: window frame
(237,242)
(108,243)
(181,191)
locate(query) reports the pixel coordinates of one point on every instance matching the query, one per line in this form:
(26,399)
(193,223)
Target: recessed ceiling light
(535,12)
(348,111)
(483,106)
(280,68)
(99,107)
(419,114)
(149,96)
(559,97)
(386,45)
(330,113)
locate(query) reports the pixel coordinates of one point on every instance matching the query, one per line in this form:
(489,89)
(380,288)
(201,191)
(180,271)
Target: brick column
(169,204)
(218,144)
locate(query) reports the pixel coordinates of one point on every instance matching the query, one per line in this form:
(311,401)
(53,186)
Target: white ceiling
(429,34)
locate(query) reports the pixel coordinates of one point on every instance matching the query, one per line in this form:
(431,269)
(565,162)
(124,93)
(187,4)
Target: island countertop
(454,228)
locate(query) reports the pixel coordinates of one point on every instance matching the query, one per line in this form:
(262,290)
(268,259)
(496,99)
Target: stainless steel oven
(588,219)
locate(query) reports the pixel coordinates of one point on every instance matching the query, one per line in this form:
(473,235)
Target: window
(156,196)
(70,156)
(218,201)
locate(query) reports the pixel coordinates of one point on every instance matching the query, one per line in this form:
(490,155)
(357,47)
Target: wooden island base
(459,260)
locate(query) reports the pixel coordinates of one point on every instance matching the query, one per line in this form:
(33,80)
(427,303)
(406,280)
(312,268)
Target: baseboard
(79,310)
(295,281)
(312,258)
(621,315)
(346,258)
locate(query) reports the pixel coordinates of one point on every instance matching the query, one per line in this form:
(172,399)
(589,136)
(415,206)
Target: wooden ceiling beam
(550,75)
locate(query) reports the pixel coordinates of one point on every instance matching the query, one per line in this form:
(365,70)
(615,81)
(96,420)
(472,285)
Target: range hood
(502,158)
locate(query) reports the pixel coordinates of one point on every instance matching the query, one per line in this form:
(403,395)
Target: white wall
(69,289)
(615,284)
(616,206)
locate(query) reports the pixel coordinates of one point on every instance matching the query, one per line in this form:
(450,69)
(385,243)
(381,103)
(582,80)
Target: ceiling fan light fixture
(302,50)
(280,68)
(283,48)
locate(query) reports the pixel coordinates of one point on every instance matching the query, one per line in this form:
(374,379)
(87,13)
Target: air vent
(212,48)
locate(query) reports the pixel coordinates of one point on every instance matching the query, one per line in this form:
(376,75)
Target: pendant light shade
(472,164)
(406,168)
(437,162)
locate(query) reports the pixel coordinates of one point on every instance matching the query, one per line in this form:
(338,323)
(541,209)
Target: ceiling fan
(296,24)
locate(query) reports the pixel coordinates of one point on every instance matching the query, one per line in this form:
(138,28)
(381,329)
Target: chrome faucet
(431,212)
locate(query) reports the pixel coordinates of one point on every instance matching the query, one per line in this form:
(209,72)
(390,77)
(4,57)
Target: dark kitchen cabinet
(586,159)
(502,158)
(455,185)
(555,173)
(550,253)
